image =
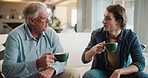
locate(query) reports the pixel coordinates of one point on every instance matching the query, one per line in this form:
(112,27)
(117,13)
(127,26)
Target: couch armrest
(1,62)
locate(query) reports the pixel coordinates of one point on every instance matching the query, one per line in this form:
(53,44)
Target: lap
(68,73)
(95,73)
(139,74)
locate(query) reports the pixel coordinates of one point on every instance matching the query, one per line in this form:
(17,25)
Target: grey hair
(33,9)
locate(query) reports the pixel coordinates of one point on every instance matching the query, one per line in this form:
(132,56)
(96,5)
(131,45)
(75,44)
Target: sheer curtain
(141,20)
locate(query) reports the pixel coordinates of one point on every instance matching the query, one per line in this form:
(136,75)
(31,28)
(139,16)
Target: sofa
(74,43)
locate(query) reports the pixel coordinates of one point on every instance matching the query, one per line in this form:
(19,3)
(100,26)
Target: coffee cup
(111,47)
(61,57)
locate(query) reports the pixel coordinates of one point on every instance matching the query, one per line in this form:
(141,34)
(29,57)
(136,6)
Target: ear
(31,21)
(119,22)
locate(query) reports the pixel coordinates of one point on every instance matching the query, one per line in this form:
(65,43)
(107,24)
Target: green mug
(61,57)
(111,47)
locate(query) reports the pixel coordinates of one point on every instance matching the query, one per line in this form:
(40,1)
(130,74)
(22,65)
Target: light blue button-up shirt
(22,51)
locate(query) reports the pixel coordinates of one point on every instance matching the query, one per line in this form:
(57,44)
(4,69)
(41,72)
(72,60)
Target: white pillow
(3,38)
(75,44)
(1,47)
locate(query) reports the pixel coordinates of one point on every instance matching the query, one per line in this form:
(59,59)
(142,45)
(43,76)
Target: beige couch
(74,43)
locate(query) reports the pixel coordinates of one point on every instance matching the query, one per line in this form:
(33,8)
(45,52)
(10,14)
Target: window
(73,17)
(50,12)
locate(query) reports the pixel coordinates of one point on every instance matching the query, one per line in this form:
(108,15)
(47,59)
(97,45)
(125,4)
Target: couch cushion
(146,61)
(3,38)
(74,43)
(1,47)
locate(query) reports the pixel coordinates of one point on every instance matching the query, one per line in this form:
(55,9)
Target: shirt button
(38,52)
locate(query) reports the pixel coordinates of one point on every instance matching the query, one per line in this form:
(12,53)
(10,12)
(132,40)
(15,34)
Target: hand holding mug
(61,57)
(46,60)
(99,48)
(111,47)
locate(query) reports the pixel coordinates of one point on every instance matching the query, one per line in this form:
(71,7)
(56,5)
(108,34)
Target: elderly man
(114,64)
(30,47)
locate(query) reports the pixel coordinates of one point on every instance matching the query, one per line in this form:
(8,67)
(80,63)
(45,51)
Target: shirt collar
(29,35)
(121,38)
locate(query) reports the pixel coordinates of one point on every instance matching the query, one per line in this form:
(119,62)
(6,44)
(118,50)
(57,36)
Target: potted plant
(55,24)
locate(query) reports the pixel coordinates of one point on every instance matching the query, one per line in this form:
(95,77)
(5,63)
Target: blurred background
(77,16)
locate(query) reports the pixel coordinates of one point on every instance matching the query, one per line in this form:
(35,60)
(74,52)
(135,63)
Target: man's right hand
(99,48)
(46,60)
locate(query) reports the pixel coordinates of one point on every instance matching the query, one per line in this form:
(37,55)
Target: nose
(47,20)
(103,21)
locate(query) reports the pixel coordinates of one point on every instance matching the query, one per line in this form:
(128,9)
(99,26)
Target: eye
(107,18)
(44,18)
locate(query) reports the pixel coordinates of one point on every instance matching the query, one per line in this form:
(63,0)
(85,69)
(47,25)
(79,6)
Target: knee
(89,74)
(72,73)
(141,74)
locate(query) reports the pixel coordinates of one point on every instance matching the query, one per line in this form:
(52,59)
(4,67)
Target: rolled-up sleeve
(136,53)
(10,66)
(57,48)
(59,67)
(90,45)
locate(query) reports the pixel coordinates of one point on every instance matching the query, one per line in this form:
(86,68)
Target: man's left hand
(46,73)
(116,74)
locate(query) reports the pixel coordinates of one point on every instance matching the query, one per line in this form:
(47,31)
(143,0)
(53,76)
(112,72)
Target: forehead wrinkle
(43,14)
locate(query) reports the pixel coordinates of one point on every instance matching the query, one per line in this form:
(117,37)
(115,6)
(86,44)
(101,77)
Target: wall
(69,8)
(84,8)
(80,11)
(61,13)
(11,8)
(98,10)
(7,10)
(90,14)
(141,20)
